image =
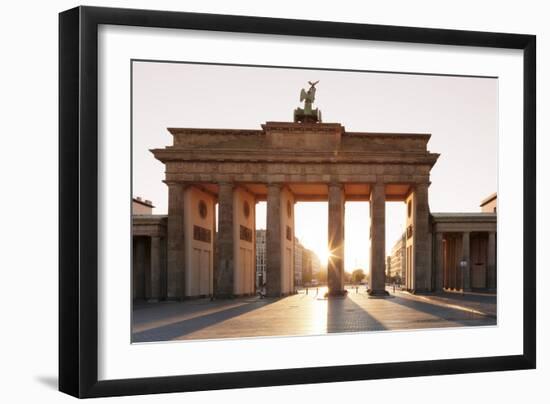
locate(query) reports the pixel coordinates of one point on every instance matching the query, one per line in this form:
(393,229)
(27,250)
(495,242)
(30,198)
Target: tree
(357,275)
(347,277)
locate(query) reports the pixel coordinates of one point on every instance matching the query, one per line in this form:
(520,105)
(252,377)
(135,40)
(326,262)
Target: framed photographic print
(249,201)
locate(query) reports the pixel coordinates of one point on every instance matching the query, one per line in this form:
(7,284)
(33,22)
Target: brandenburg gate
(284,163)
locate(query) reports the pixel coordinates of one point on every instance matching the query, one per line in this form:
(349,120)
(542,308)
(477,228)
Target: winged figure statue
(308,114)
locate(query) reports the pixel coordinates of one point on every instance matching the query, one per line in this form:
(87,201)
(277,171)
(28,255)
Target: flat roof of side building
(144,202)
(490,198)
(463,216)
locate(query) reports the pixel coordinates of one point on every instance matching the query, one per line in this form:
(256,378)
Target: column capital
(378,189)
(275,185)
(422,184)
(174,184)
(335,184)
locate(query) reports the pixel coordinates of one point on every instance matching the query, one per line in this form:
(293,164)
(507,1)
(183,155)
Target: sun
(324,254)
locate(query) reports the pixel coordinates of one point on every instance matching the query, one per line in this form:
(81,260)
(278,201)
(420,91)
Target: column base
(223,296)
(174,299)
(377,293)
(421,291)
(336,293)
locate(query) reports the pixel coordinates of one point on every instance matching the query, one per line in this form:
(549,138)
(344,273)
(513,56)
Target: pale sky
(460,113)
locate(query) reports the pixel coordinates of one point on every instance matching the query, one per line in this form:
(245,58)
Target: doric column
(439,266)
(154,279)
(456,265)
(445,264)
(254,252)
(226,264)
(421,234)
(491,261)
(466,257)
(215,256)
(175,242)
(450,262)
(139,268)
(273,241)
(335,265)
(377,282)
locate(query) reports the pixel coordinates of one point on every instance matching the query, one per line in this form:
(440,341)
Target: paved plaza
(309,314)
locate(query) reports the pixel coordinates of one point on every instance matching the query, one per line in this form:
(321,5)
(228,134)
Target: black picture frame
(78,200)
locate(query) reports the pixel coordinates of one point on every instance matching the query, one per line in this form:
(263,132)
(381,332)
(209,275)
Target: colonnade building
(149,280)
(458,237)
(398,259)
(464,251)
(302,261)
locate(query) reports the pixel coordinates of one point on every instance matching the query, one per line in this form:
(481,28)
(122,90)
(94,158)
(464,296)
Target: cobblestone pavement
(308,314)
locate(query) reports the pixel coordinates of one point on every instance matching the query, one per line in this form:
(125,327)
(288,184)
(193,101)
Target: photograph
(288,201)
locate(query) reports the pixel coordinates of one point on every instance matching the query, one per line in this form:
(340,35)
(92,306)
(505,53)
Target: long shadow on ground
(180,328)
(445,313)
(344,315)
